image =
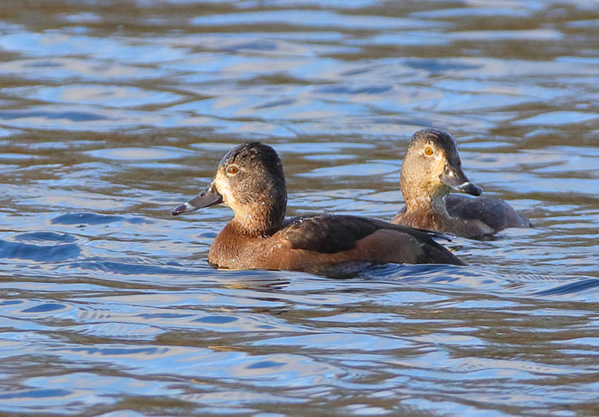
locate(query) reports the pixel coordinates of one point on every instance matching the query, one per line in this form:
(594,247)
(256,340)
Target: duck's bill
(208,197)
(457,180)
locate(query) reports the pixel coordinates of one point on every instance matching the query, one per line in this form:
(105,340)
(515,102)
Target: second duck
(430,170)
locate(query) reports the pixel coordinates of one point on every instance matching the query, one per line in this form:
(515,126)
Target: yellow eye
(233,169)
(428,151)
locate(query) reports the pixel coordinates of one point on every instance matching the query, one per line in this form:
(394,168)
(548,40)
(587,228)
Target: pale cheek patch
(440,163)
(222,185)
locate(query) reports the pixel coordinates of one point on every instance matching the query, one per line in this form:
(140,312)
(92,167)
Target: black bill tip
(470,188)
(182,208)
(208,197)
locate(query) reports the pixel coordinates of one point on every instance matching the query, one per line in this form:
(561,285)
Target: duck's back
(322,243)
(495,213)
(329,240)
(468,217)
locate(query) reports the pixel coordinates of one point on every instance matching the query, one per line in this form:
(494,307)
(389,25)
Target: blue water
(113,113)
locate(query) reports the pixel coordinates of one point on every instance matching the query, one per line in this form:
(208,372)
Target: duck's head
(250,180)
(432,166)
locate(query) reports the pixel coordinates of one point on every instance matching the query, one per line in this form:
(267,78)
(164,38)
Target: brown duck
(250,180)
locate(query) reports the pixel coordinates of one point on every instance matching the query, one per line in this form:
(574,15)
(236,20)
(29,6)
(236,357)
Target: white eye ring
(232,170)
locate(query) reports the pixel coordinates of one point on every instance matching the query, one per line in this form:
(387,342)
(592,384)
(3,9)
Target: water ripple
(48,253)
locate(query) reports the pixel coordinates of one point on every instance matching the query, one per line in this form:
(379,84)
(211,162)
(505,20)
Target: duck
(431,169)
(250,180)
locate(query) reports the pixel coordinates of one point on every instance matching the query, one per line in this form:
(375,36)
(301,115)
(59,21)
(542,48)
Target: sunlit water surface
(113,112)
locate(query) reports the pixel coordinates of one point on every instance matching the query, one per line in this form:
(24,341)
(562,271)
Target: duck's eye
(233,169)
(428,151)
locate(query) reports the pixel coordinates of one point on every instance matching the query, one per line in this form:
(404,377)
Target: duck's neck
(423,195)
(434,203)
(258,220)
(420,195)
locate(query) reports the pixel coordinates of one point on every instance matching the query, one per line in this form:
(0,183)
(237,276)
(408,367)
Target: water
(111,113)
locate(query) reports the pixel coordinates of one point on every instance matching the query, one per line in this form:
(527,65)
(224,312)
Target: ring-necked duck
(431,169)
(250,180)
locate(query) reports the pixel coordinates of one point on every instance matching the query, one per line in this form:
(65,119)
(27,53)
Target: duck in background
(250,180)
(431,170)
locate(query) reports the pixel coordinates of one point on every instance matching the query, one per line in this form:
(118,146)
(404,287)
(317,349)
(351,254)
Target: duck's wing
(354,238)
(495,213)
